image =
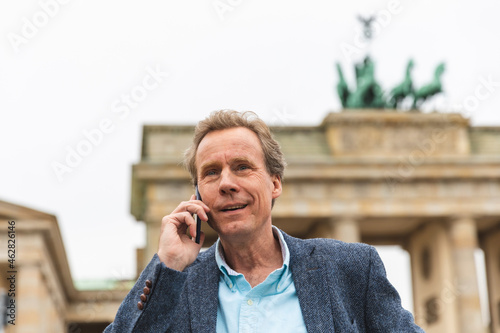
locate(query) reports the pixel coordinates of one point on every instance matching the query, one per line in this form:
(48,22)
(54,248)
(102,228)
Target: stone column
(30,299)
(345,229)
(434,291)
(153,227)
(463,235)
(491,247)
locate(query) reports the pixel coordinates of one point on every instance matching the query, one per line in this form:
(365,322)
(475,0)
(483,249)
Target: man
(255,278)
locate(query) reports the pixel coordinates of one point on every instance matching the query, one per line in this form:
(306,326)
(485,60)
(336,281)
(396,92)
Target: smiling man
(255,278)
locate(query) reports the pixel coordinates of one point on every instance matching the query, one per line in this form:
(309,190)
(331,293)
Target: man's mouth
(232,208)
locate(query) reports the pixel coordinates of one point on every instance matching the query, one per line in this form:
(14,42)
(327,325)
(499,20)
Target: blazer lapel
(314,278)
(310,283)
(203,292)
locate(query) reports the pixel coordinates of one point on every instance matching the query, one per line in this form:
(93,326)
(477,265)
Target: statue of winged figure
(367,25)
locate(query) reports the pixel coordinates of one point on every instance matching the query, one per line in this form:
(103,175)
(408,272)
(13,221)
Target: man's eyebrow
(208,165)
(212,164)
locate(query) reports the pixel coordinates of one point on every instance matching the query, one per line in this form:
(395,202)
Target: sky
(74,72)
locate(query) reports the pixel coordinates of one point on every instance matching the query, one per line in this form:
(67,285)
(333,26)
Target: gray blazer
(341,288)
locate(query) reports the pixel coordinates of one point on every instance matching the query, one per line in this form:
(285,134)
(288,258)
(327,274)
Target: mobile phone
(198,220)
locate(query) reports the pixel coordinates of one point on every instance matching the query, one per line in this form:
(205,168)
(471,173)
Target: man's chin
(232,228)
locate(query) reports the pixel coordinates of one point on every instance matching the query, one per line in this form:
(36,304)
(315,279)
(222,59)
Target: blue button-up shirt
(271,306)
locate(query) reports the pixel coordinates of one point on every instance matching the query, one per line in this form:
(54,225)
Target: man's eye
(243,167)
(210,173)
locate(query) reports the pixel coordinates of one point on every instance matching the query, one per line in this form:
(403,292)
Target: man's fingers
(188,219)
(181,220)
(193,207)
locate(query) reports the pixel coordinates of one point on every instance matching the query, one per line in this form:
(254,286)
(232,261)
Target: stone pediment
(43,276)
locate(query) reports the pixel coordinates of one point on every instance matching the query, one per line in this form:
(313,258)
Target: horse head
(439,70)
(410,65)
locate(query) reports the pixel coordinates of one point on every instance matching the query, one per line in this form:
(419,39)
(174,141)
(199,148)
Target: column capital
(462,217)
(346,229)
(340,218)
(463,231)
(451,219)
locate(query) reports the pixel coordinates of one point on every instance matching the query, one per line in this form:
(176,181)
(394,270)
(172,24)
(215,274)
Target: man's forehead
(233,132)
(238,138)
(235,153)
(230,144)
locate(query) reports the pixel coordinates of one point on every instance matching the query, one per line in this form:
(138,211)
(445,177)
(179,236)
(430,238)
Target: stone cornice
(10,210)
(394,118)
(351,168)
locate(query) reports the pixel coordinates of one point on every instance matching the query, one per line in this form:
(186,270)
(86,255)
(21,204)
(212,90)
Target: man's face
(233,181)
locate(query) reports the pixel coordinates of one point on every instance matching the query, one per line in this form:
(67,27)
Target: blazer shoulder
(328,246)
(334,245)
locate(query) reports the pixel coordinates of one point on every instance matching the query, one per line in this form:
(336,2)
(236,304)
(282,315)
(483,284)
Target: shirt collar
(228,272)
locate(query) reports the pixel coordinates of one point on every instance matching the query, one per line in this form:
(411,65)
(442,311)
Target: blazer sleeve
(384,312)
(157,313)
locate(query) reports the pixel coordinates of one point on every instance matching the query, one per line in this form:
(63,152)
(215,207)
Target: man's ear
(276,186)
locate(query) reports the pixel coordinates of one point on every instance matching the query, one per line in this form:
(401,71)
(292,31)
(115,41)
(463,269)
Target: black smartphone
(198,220)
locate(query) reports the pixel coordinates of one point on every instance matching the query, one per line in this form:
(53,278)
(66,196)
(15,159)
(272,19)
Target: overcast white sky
(66,68)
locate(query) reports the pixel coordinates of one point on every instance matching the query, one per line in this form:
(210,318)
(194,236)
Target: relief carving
(426,261)
(432,310)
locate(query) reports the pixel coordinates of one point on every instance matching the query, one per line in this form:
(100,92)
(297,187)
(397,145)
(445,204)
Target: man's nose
(228,183)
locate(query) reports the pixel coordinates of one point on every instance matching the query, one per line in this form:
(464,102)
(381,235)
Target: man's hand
(177,250)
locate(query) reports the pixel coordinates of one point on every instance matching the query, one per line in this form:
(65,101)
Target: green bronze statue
(342,87)
(401,91)
(429,90)
(368,93)
(367,26)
